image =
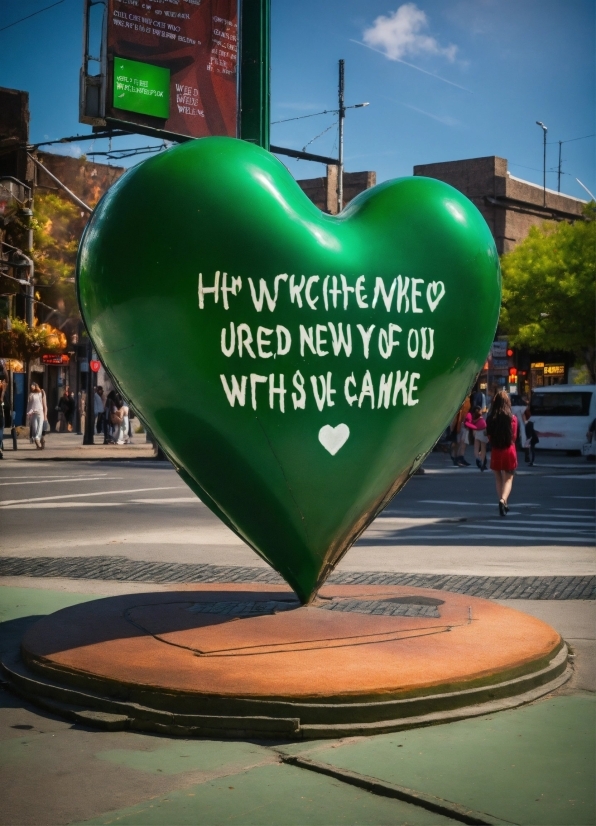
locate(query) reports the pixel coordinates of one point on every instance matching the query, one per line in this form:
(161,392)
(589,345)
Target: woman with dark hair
(501,429)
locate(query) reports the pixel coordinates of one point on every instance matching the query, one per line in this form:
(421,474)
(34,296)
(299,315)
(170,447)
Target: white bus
(562,414)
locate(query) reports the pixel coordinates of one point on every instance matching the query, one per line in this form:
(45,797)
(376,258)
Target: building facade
(511,206)
(323,191)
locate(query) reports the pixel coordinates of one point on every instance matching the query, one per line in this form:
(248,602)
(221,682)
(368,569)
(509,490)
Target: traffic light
(510,353)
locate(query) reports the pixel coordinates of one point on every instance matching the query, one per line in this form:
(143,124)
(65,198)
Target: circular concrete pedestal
(243,660)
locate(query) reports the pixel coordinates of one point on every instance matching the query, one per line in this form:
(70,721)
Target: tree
(549,289)
(58,226)
(27,343)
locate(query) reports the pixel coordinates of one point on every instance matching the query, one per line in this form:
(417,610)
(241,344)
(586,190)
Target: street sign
(500,362)
(95,365)
(499,349)
(55,358)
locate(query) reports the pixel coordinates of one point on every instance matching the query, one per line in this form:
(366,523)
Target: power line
(31,15)
(319,135)
(570,140)
(301,117)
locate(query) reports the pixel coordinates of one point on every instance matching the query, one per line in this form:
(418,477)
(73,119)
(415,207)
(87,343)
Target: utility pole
(559,173)
(90,409)
(27,214)
(340,160)
(544,131)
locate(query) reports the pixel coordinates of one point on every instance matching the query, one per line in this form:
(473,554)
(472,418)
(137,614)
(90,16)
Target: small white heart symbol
(434,293)
(334,438)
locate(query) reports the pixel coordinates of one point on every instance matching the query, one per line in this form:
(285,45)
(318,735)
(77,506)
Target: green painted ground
(279,795)
(25,602)
(532,766)
(178,756)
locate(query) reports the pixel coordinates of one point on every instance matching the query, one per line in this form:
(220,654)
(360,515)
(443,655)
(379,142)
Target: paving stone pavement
(122,569)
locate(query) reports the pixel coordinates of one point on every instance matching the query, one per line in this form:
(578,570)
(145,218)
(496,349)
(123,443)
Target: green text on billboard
(141,87)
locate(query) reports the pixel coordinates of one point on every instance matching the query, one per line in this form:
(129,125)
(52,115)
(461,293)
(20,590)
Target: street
(444,522)
(76,530)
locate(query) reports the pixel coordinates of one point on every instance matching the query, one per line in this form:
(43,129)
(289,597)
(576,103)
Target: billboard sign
(55,359)
(169,68)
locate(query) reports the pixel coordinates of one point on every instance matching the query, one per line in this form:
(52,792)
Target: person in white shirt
(37,413)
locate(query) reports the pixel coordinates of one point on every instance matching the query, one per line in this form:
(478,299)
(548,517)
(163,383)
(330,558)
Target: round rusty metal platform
(249,660)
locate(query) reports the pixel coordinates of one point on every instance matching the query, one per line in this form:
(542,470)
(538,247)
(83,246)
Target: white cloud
(400,34)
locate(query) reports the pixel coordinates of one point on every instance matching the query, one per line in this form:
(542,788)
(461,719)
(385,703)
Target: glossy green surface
(299,484)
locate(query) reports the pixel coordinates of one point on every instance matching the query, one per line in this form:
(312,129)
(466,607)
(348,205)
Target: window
(560,404)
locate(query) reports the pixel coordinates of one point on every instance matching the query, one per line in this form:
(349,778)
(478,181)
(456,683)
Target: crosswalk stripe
(494,534)
(59,480)
(97,493)
(502,526)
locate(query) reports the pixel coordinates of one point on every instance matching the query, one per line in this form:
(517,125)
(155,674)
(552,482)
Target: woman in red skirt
(501,428)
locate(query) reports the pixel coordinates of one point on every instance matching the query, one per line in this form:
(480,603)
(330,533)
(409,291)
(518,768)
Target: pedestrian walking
(45,428)
(460,436)
(501,428)
(3,386)
(478,399)
(71,407)
(62,408)
(37,413)
(111,418)
(98,408)
(531,439)
(476,425)
(122,436)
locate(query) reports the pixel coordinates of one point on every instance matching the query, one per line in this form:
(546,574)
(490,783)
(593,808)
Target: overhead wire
(301,117)
(39,11)
(320,135)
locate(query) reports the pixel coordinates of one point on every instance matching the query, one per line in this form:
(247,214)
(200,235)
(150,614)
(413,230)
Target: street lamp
(544,131)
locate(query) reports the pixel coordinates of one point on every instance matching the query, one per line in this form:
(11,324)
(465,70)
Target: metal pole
(90,410)
(27,215)
(77,420)
(255,62)
(559,174)
(544,131)
(544,167)
(340,159)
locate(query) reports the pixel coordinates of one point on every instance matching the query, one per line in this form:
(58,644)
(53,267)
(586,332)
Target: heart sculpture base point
(246,660)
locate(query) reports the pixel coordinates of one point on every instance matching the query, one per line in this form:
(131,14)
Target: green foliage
(58,226)
(23,342)
(549,289)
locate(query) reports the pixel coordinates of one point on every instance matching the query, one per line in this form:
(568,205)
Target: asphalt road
(443,522)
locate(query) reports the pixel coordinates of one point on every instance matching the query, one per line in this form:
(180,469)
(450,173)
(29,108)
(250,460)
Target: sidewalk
(532,765)
(68,447)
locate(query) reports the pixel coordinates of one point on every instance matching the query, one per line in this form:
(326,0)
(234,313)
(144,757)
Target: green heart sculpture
(296,367)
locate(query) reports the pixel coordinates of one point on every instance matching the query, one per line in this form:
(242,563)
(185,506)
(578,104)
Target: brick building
(509,205)
(87,180)
(323,191)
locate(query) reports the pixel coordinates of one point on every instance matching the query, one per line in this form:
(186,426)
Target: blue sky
(445,79)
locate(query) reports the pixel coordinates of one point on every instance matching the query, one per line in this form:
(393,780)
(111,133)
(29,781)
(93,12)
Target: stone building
(509,205)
